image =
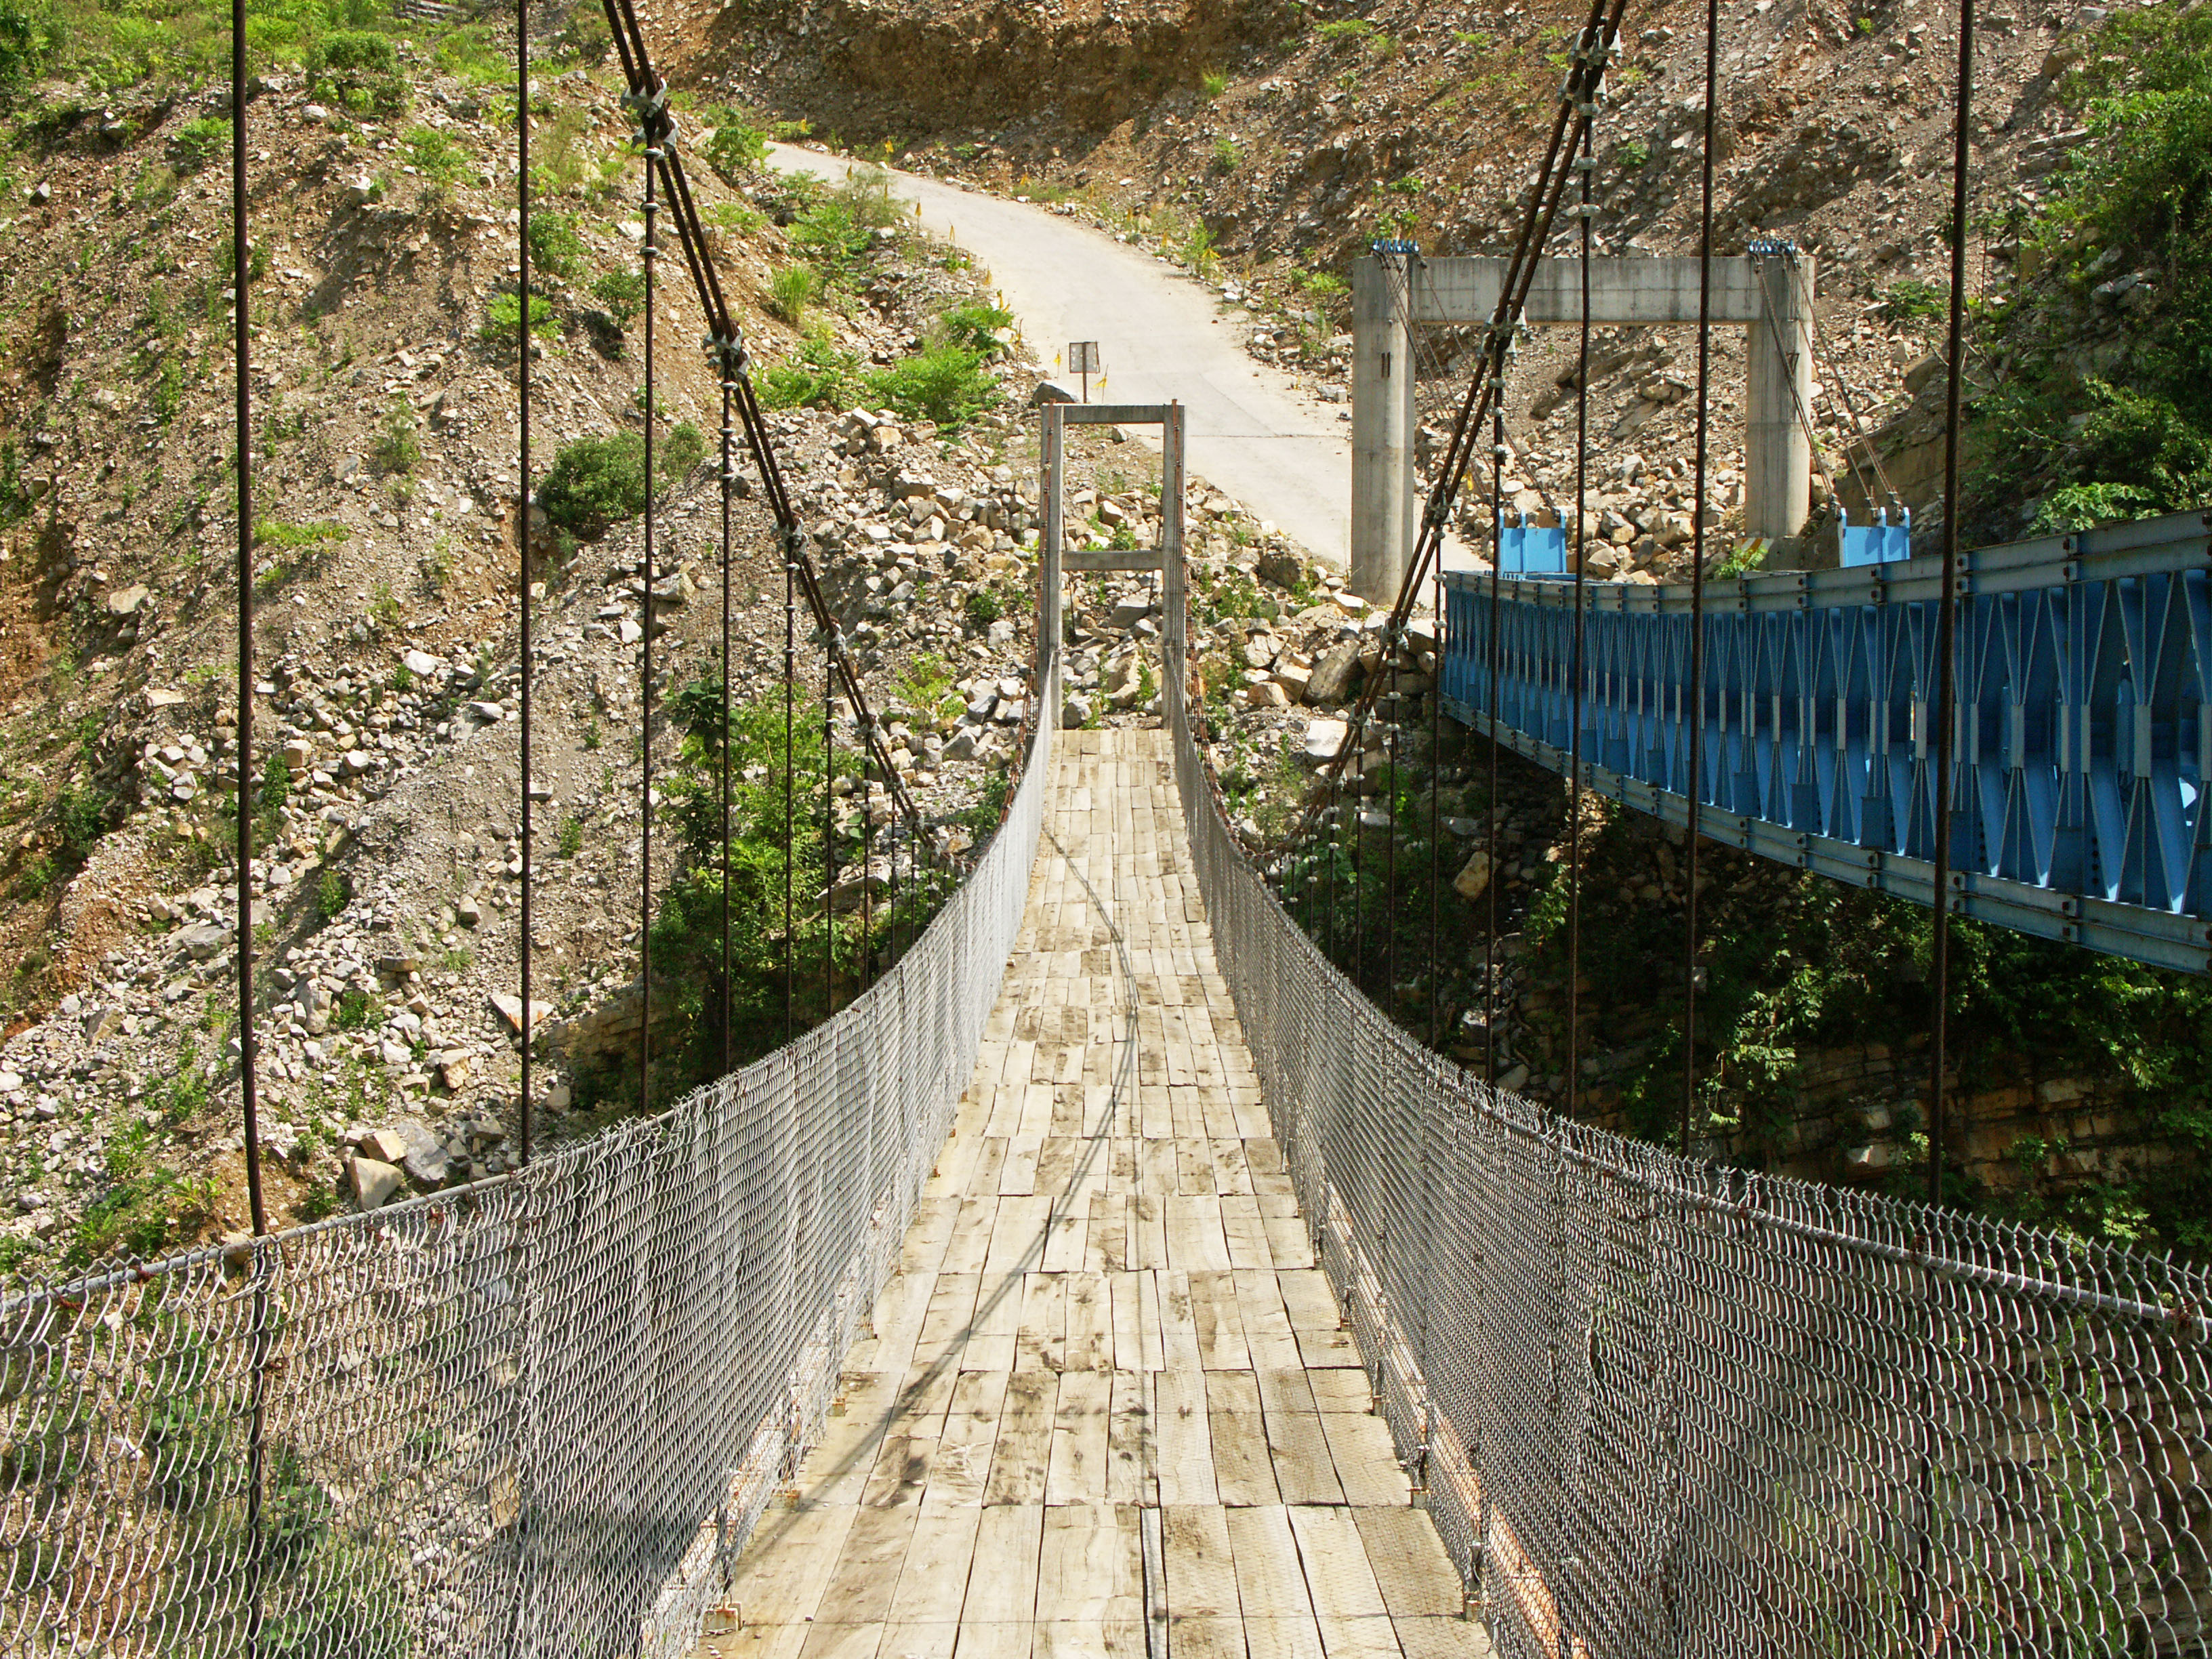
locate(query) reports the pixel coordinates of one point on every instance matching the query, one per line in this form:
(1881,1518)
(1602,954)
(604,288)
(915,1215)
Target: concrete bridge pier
(1770,296)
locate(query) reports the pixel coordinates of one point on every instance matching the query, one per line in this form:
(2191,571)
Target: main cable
(1695,692)
(1577,103)
(522,517)
(1946,622)
(650,254)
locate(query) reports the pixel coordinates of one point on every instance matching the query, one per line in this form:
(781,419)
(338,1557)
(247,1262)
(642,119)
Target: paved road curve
(1252,433)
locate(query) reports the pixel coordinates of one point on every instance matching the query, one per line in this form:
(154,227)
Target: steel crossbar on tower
(2083,671)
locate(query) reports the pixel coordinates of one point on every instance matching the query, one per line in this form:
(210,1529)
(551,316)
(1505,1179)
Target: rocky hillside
(1266,147)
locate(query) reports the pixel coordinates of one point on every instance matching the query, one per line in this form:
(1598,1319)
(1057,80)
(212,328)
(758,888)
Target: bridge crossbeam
(2084,687)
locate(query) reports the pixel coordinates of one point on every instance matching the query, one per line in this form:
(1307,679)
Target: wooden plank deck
(1106,1379)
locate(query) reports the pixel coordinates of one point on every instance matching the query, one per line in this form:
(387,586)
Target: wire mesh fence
(1664,1408)
(535,1416)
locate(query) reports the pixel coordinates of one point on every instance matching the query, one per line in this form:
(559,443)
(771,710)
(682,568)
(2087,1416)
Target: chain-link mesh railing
(536,1416)
(1665,1408)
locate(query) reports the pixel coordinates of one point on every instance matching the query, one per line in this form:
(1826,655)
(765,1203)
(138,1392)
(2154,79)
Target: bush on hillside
(2104,345)
(596,482)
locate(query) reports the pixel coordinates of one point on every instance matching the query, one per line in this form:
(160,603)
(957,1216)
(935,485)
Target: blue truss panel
(2082,678)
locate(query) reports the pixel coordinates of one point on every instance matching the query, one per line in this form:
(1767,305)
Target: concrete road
(1252,433)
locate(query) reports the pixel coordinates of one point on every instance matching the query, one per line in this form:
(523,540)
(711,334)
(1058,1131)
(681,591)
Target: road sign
(1083,359)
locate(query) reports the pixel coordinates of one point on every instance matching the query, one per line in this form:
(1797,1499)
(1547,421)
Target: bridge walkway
(1107,1406)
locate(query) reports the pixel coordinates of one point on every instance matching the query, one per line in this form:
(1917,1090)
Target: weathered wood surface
(1108,1304)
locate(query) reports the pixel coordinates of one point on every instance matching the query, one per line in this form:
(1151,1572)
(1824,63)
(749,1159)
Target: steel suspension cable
(729,484)
(522,517)
(1489,794)
(828,839)
(241,356)
(1946,621)
(241,311)
(1576,104)
(1586,164)
(790,771)
(649,253)
(1694,787)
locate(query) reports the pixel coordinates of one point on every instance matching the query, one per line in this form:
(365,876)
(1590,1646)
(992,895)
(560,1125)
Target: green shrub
(1227,158)
(503,317)
(947,384)
(597,481)
(331,896)
(736,148)
(275,533)
(2094,401)
(1633,153)
(790,291)
(397,446)
(81,813)
(622,293)
(819,375)
(360,69)
(1213,83)
(973,325)
(555,248)
(27,37)
(983,606)
(436,155)
(198,142)
(1345,29)
(1910,299)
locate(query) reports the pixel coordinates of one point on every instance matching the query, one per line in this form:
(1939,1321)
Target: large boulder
(1333,676)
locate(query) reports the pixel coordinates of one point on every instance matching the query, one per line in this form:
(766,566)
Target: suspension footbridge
(1110,1275)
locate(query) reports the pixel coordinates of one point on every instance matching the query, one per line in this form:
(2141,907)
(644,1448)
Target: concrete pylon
(1383,509)
(1768,295)
(1778,399)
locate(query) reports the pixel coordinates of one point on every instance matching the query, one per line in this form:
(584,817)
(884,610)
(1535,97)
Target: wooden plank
(1017,1171)
(1201,1569)
(1230,1172)
(859,1589)
(1090,1316)
(994,1328)
(1335,1390)
(1216,1323)
(1338,1576)
(1182,1431)
(1284,1640)
(1245,1231)
(918,1641)
(1129,1321)
(1445,1638)
(1269,1575)
(1303,1469)
(1180,1350)
(787,1563)
(1308,1299)
(996,1641)
(1243,1469)
(1410,1568)
(1112,1639)
(1267,1327)
(827,1640)
(1195,1240)
(933,1581)
(1148,1233)
(1128,1442)
(1206,1638)
(945,1326)
(1002,1583)
(1372,1637)
(1318,1348)
(1107,1233)
(1041,1341)
(1023,1450)
(962,1463)
(1195,1167)
(1366,1461)
(1017,1240)
(1091,1569)
(971,1236)
(1077,1473)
